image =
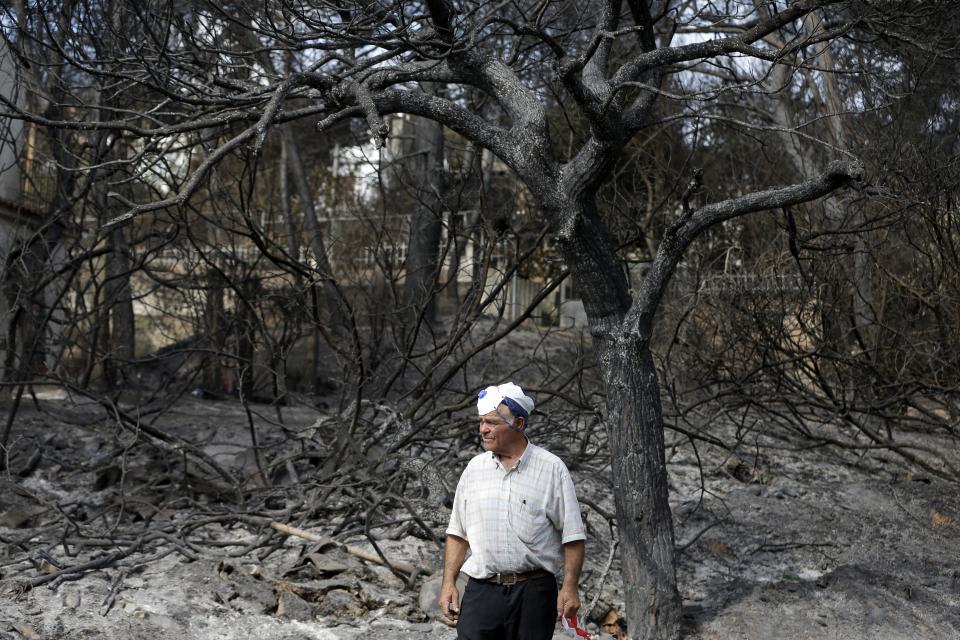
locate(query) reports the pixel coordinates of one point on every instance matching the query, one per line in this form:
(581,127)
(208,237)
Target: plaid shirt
(515,519)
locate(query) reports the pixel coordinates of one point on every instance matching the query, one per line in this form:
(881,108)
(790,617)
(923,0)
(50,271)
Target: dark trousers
(526,610)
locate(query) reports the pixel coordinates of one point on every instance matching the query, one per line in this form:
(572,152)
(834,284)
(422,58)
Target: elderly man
(516,512)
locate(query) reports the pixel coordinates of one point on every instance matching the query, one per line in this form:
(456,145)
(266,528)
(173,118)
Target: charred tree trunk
(213,327)
(330,297)
(246,328)
(462,221)
(307,204)
(476,230)
(426,228)
(456,244)
(119,302)
(635,430)
(634,426)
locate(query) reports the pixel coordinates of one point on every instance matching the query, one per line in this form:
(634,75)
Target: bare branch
(639,321)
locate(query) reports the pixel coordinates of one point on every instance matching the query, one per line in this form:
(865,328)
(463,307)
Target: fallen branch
(686,545)
(108,601)
(789,546)
(78,570)
(363,554)
(603,575)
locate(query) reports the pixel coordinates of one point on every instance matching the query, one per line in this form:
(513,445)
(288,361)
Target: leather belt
(513,578)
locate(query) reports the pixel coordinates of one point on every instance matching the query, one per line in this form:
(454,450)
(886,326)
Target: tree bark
(635,430)
(330,297)
(246,329)
(426,228)
(119,301)
(213,327)
(634,426)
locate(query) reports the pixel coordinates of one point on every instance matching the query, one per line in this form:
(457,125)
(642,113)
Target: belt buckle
(501,582)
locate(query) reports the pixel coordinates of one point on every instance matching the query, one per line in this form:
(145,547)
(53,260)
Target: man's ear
(519,423)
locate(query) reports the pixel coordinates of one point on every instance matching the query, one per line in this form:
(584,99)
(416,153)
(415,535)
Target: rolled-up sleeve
(571,521)
(457,516)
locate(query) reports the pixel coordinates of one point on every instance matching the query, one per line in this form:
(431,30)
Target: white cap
(492,397)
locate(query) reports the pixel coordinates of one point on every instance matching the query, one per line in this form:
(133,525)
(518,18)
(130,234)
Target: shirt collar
(523,456)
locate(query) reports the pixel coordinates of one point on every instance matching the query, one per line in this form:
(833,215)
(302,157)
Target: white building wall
(18,219)
(10,230)
(10,131)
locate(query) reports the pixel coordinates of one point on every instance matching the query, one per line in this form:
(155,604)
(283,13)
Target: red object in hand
(573,628)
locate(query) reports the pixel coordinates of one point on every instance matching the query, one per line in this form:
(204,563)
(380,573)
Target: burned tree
(611,65)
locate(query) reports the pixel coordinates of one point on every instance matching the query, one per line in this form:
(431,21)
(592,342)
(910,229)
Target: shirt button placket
(501,530)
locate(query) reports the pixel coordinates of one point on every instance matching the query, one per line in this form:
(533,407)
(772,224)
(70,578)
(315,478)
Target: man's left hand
(568,602)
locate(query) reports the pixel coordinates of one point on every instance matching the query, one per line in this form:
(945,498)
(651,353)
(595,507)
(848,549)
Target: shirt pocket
(529,521)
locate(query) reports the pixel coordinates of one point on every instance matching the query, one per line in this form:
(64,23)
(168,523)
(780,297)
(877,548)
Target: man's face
(496,434)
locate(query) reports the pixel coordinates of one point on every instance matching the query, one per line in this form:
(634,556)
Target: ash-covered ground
(784,543)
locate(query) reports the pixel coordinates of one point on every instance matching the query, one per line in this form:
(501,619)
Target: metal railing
(753,283)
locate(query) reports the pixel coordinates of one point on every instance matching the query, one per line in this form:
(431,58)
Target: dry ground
(784,544)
